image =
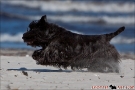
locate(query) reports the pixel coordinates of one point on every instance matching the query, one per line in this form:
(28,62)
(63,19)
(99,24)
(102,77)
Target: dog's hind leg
(105,60)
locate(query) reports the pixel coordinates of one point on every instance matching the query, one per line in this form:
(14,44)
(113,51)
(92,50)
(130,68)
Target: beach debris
(97,76)
(107,80)
(8,62)
(27,55)
(25,73)
(15,75)
(8,87)
(121,76)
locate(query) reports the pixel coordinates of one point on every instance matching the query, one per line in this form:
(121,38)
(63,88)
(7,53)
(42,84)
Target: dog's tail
(111,35)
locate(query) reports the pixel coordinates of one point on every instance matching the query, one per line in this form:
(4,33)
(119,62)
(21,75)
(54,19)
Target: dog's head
(39,33)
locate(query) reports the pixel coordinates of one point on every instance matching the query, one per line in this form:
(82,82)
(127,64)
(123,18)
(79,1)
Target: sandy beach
(19,71)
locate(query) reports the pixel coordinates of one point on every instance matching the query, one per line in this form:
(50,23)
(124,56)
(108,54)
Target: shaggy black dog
(62,48)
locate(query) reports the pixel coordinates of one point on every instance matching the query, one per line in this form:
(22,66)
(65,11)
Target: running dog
(62,48)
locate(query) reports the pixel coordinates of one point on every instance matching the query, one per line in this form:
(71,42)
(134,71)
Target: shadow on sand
(39,70)
(50,70)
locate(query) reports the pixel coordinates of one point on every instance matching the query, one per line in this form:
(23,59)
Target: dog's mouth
(31,43)
(33,39)
(36,44)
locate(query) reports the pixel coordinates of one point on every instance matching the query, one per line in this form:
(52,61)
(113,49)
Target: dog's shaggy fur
(62,48)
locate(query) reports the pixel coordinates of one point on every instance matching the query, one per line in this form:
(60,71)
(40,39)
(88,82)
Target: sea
(89,17)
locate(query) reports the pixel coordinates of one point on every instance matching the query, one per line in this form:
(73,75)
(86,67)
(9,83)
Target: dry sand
(41,77)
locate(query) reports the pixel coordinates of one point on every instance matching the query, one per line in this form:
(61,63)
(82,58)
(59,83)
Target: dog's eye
(33,24)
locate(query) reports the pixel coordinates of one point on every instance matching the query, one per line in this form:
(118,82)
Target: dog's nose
(22,37)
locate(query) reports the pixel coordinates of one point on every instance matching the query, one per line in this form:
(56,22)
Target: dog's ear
(43,19)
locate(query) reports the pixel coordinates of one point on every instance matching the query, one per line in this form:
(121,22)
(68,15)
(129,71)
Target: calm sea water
(86,17)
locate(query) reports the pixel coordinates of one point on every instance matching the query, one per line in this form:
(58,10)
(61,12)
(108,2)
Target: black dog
(62,48)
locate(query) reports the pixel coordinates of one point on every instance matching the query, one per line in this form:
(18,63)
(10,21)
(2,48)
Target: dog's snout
(23,36)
